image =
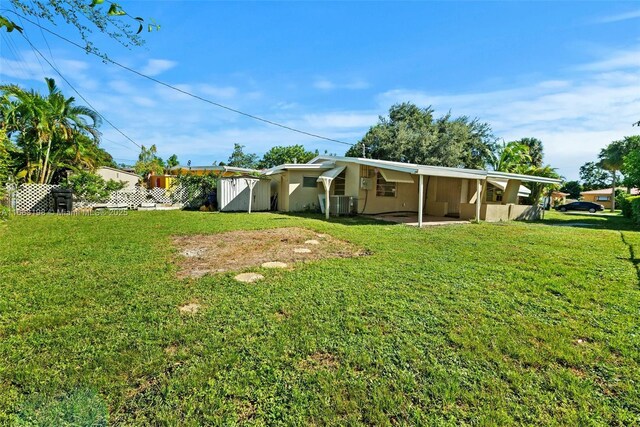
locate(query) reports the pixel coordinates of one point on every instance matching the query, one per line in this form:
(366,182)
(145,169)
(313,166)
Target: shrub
(624,204)
(90,187)
(200,189)
(635,208)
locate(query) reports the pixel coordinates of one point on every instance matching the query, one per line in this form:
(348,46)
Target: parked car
(580,206)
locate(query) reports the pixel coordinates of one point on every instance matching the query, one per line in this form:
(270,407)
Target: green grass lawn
(482,324)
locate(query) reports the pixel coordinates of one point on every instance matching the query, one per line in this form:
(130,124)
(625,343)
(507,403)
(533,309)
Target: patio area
(410,218)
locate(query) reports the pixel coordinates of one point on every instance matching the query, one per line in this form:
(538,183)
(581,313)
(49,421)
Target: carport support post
(251,183)
(478,199)
(420,198)
(327,186)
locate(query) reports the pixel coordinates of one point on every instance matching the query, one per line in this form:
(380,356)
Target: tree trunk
(43,172)
(613,192)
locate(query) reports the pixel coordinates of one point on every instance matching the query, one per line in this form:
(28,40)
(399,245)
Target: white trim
(416,169)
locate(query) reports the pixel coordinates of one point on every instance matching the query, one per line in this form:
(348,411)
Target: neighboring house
(166,181)
(130,179)
(369,186)
(218,170)
(160,181)
(603,196)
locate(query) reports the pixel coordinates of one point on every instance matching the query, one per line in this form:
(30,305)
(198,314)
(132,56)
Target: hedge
(631,208)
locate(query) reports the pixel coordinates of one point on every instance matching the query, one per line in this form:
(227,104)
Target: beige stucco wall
(524,212)
(295,197)
(494,212)
(405,200)
(130,179)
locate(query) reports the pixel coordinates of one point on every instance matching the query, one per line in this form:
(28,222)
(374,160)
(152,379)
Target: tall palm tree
(46,127)
(612,159)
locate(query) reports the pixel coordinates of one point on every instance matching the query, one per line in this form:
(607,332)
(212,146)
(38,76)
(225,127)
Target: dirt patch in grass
(319,360)
(190,308)
(236,250)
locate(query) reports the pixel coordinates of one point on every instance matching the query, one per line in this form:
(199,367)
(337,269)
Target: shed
(233,194)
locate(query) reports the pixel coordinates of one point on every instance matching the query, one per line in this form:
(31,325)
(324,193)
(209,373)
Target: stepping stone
(311,242)
(249,277)
(302,251)
(274,264)
(189,308)
(322,236)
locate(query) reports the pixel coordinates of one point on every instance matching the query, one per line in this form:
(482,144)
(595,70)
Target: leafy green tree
(85,16)
(90,187)
(286,154)
(149,162)
(50,131)
(412,134)
(240,159)
(573,188)
(631,168)
(593,176)
(172,161)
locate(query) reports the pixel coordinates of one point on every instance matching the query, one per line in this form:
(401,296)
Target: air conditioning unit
(343,205)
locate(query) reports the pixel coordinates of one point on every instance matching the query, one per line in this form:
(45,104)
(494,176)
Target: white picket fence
(37,198)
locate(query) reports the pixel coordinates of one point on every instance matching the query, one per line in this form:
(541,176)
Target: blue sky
(564,72)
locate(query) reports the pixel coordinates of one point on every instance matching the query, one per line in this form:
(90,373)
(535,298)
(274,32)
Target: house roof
(298,166)
(607,191)
(213,168)
(119,171)
(417,169)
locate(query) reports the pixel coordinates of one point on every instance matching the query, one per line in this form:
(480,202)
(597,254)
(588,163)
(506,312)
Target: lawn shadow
(343,220)
(594,221)
(632,256)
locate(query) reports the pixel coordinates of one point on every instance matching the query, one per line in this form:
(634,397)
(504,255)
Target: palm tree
(535,150)
(511,157)
(46,127)
(612,159)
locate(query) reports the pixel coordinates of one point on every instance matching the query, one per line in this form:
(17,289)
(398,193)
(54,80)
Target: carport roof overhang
(524,178)
(440,171)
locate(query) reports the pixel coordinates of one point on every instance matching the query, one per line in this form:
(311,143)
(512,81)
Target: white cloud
(155,67)
(326,84)
(573,117)
(339,120)
(633,14)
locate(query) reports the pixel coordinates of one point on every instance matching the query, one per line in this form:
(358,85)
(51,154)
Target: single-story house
(367,186)
(603,196)
(130,179)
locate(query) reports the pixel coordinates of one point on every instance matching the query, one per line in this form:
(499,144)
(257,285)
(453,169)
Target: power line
(160,82)
(77,92)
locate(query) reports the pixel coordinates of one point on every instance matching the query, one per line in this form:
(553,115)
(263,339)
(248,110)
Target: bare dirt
(319,360)
(237,250)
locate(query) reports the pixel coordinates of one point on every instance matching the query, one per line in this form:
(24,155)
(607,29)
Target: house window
(339,186)
(493,194)
(603,198)
(309,181)
(384,188)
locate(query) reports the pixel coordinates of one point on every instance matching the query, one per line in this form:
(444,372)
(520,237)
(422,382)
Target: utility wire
(160,82)
(77,92)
